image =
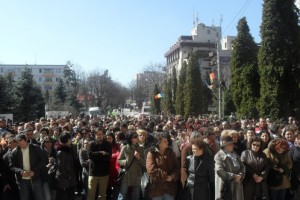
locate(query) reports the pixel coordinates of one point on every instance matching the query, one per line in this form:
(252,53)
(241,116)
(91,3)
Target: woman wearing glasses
(280,163)
(257,168)
(131,152)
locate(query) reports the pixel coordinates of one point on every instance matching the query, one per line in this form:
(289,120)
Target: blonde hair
(141,131)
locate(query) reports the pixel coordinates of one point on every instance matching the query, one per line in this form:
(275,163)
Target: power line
(241,11)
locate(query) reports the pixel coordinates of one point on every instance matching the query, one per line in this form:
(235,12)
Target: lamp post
(219,73)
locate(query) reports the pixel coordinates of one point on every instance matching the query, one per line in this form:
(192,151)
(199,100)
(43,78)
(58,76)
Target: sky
(121,36)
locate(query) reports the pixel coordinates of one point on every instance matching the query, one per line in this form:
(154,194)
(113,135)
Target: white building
(204,40)
(45,75)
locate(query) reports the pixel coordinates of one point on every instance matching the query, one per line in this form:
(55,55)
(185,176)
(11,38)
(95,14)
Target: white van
(146,110)
(94,111)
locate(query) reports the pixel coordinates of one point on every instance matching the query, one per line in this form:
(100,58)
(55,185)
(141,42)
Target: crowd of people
(68,158)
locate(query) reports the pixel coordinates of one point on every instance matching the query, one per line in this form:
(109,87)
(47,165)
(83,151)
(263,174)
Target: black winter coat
(100,162)
(199,176)
(65,174)
(38,161)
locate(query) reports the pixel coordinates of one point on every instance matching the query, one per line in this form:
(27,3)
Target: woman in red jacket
(114,166)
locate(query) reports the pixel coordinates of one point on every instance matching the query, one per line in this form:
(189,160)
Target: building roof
(187,41)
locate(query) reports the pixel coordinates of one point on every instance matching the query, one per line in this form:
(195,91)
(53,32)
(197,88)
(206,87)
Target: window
(225,44)
(48,80)
(40,79)
(57,79)
(48,87)
(48,70)
(208,32)
(40,70)
(1,70)
(58,71)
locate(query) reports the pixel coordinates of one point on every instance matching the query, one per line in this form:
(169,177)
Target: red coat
(114,166)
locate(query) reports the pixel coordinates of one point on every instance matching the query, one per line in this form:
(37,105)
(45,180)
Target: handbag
(116,188)
(274,178)
(123,171)
(145,184)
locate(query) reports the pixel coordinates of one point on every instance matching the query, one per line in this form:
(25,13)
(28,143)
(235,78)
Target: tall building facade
(207,41)
(46,76)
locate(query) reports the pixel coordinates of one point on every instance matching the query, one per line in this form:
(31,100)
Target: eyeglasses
(256,145)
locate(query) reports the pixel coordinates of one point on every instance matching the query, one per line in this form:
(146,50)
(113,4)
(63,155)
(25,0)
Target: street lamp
(219,73)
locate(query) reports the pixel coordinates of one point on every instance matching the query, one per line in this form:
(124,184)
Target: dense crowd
(163,158)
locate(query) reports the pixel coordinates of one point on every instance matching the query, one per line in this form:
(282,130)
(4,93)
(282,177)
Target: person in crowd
(30,138)
(185,153)
(100,152)
(262,125)
(277,154)
(229,172)
(163,168)
(131,155)
(248,136)
(295,174)
(10,188)
(27,162)
(85,163)
(65,174)
(200,170)
(210,140)
(48,184)
(257,168)
(143,142)
(288,134)
(114,166)
(266,138)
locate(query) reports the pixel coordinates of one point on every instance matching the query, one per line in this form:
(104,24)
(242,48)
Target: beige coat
(283,161)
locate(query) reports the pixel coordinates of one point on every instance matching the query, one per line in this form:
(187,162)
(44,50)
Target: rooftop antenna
(213,22)
(194,22)
(221,20)
(197,19)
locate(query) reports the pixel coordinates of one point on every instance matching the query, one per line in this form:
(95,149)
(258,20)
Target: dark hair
(113,137)
(45,129)
(256,139)
(20,137)
(209,131)
(64,137)
(97,129)
(131,135)
(46,138)
(200,144)
(160,136)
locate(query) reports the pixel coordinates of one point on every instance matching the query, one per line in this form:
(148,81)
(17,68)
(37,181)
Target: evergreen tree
(174,87)
(60,93)
(228,102)
(6,98)
(180,92)
(168,97)
(29,98)
(279,59)
(244,71)
(72,100)
(193,100)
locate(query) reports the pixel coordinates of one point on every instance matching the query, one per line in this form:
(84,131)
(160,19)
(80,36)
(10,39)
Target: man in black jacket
(100,154)
(27,161)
